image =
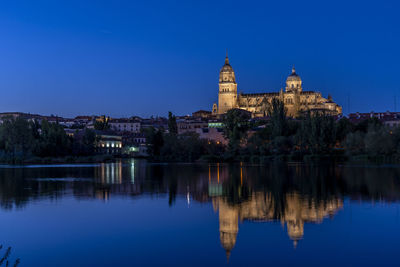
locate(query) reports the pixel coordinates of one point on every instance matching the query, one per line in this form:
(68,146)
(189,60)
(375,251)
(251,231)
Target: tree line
(309,136)
(21,139)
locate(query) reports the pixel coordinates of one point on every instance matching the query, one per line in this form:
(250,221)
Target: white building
(125,125)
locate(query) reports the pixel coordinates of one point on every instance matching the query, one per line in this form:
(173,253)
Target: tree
(354,142)
(363,125)
(378,141)
(155,140)
(53,141)
(277,115)
(172,126)
(84,145)
(317,133)
(343,128)
(16,136)
(102,124)
(259,142)
(236,124)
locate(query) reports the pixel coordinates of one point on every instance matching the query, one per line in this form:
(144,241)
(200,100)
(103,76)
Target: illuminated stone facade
(261,207)
(295,99)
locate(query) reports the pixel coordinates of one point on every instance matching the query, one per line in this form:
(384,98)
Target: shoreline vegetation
(307,138)
(310,137)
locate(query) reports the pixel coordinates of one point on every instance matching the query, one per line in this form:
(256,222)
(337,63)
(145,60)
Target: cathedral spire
(226,58)
(293,70)
(228,254)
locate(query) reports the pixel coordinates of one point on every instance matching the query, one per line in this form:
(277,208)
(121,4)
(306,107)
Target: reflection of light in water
(110,173)
(214,189)
(103,194)
(119,172)
(133,172)
(241,176)
(188,196)
(218,172)
(102,173)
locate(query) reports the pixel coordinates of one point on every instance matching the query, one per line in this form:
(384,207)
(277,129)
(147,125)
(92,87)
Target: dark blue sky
(125,58)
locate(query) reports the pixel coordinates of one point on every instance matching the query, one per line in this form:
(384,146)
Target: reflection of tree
(4,261)
(172,189)
(233,188)
(316,184)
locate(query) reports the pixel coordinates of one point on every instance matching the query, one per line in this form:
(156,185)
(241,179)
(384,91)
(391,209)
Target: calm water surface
(135,213)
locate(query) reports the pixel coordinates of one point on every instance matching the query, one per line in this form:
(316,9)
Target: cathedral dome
(293,76)
(293,82)
(227,74)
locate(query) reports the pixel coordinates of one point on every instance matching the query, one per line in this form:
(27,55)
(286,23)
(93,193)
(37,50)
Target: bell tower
(227,95)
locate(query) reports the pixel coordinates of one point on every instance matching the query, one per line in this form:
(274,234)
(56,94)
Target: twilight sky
(124,58)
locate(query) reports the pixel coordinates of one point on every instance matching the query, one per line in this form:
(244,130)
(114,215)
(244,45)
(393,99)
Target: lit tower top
(227,75)
(227,94)
(293,82)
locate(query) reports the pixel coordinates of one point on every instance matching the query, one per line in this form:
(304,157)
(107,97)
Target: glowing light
(218,172)
(133,172)
(241,176)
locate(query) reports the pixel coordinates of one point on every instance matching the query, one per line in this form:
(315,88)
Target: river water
(134,213)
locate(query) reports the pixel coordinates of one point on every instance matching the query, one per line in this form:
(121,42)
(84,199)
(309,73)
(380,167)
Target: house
(125,125)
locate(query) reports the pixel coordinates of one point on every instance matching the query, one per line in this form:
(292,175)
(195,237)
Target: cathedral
(296,100)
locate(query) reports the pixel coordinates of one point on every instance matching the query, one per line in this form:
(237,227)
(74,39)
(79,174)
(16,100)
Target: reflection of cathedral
(260,207)
(295,99)
(292,194)
(293,209)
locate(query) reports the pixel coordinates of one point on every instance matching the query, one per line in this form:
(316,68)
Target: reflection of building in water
(103,194)
(261,207)
(299,210)
(117,178)
(228,226)
(109,173)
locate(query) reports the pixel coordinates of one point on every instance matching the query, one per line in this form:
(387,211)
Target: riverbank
(254,159)
(59,160)
(308,158)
